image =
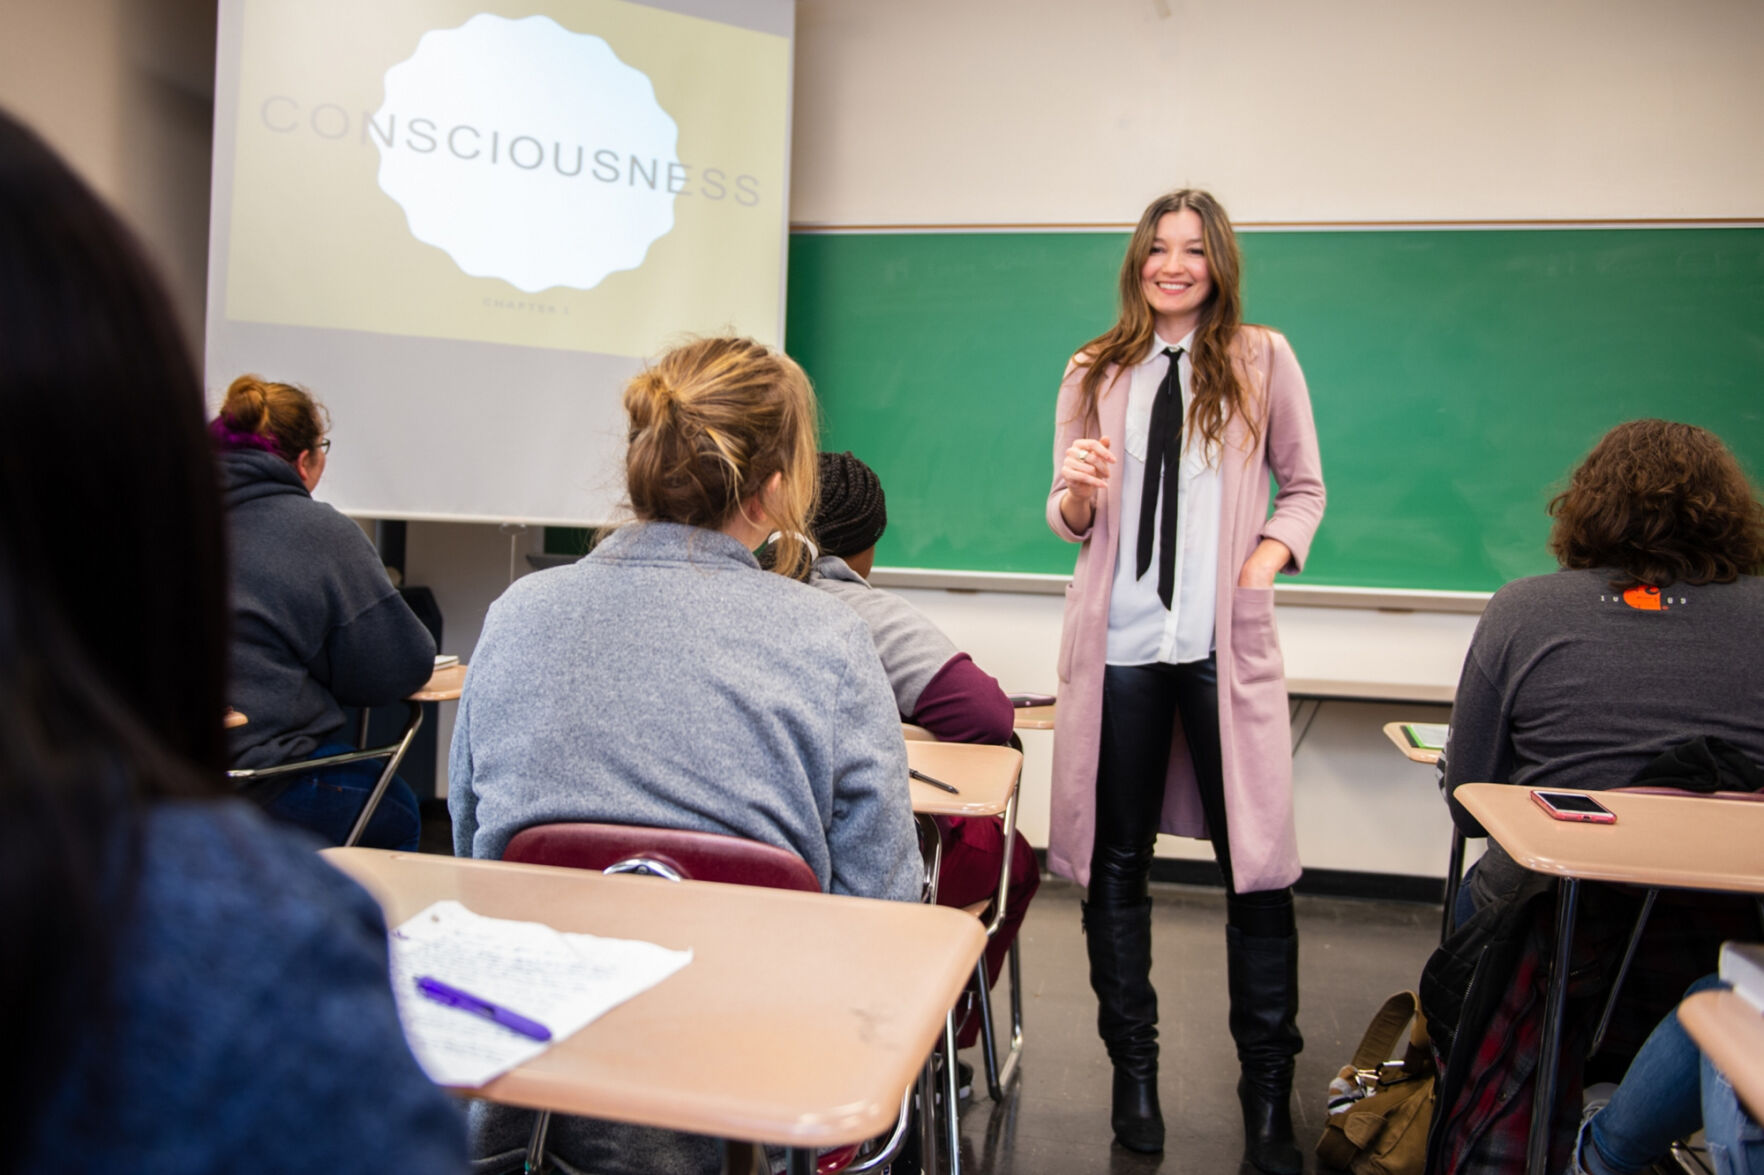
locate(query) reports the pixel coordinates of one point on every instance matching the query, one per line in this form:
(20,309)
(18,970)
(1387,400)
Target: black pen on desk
(923,778)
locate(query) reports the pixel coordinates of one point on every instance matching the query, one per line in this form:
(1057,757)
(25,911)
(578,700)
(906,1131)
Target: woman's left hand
(1264,564)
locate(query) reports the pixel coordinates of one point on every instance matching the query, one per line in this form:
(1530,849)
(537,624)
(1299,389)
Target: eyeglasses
(324,446)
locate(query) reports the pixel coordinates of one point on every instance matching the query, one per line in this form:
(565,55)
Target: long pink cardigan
(1254,726)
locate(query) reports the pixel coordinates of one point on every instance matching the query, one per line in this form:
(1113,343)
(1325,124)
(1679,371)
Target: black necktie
(1163,444)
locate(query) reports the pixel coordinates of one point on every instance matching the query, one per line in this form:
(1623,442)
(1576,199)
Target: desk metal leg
(535,1161)
(1537,1149)
(800,1160)
(386,776)
(1306,709)
(998,1076)
(928,1115)
(951,1108)
(1635,936)
(1454,878)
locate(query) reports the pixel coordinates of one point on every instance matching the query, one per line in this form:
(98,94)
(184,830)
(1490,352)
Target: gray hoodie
(316,624)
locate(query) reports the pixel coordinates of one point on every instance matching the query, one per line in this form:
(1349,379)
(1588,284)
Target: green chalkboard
(1456,376)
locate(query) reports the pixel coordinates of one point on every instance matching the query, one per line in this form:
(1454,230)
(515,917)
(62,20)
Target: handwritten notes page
(564,981)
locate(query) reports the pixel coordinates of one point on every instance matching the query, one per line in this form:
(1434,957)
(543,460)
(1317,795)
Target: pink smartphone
(1573,805)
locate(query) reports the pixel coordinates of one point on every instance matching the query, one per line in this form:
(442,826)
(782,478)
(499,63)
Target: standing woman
(1173,711)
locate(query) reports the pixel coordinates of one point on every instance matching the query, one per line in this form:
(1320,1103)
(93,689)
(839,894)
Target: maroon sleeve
(963,704)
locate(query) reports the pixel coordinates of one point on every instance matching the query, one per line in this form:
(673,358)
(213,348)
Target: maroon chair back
(698,856)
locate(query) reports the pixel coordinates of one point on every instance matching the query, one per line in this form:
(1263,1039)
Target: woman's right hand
(1086,470)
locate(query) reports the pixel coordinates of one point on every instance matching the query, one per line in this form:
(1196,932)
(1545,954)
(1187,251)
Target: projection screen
(463,224)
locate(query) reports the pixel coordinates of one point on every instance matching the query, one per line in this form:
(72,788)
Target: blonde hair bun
(710,422)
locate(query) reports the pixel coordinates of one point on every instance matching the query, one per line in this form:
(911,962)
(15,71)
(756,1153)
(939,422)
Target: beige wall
(1050,111)
(1054,111)
(124,89)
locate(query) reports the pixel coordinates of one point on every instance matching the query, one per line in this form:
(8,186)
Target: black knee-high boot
(1119,941)
(1263,979)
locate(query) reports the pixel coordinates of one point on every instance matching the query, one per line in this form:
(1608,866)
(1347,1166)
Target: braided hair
(852,512)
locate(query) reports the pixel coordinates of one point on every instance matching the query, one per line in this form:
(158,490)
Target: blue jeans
(1735,1139)
(328,803)
(1466,905)
(1669,1091)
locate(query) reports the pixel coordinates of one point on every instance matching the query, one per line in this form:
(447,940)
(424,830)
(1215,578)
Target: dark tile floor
(1352,954)
(1055,1119)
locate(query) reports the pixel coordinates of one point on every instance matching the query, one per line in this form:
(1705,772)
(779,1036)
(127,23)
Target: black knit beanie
(851,513)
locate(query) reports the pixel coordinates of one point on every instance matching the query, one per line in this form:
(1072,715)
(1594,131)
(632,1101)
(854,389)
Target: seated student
(1648,636)
(1669,1093)
(317,626)
(665,679)
(935,686)
(193,990)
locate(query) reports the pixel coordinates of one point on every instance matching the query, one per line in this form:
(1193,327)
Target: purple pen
(465,1001)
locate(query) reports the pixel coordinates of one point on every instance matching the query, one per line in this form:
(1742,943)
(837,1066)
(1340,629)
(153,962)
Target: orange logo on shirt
(1643,598)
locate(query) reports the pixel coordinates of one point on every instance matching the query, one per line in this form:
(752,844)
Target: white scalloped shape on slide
(510,185)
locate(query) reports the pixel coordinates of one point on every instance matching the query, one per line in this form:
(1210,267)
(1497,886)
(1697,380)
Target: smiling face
(1175,279)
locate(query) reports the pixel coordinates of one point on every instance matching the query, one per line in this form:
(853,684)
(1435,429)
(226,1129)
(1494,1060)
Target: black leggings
(1140,707)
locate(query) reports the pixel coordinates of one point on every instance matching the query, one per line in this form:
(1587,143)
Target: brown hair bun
(710,423)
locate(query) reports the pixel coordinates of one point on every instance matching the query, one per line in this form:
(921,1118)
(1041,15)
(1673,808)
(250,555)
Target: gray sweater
(316,624)
(912,648)
(1570,685)
(665,679)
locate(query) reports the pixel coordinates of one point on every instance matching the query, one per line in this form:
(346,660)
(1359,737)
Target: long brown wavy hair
(1659,502)
(1219,391)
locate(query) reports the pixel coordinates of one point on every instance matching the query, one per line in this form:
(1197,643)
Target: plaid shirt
(1487,1125)
(1482,1127)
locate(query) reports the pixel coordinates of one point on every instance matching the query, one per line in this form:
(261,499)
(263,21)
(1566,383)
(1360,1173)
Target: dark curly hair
(1659,502)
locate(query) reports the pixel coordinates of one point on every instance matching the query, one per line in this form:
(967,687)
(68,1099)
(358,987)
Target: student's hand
(1264,564)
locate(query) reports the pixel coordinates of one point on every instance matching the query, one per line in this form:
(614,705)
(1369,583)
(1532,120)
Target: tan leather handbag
(1379,1108)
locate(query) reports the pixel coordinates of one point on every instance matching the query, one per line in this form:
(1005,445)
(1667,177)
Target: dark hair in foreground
(112,597)
(1661,503)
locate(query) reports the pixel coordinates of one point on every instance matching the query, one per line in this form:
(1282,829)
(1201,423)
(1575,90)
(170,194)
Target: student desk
(986,777)
(444,685)
(1681,842)
(800,1020)
(1034,717)
(1455,858)
(1394,732)
(1731,1032)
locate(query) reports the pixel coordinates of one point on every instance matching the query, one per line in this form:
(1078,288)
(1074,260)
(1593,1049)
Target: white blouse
(1141,629)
